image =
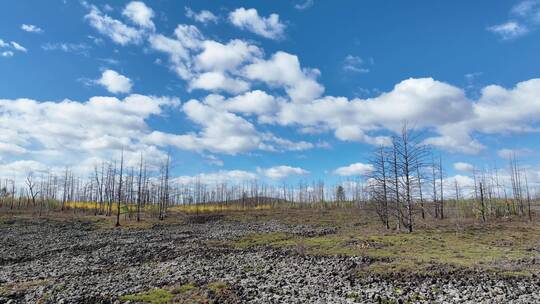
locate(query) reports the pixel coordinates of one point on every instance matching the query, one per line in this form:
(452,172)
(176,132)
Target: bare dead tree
(32,191)
(379,185)
(442,186)
(528,198)
(396,183)
(482,204)
(411,155)
(118,203)
(139,189)
(419,176)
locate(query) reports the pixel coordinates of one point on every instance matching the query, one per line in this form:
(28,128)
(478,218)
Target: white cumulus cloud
(115,82)
(281,172)
(139,14)
(465,167)
(203,16)
(248,19)
(356,169)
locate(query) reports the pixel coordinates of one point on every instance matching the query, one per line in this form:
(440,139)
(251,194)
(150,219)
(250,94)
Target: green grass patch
(419,252)
(155,296)
(185,288)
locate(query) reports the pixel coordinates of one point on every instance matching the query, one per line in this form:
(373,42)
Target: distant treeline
(407,183)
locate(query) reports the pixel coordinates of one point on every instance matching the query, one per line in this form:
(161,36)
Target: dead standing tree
(139,189)
(403,168)
(411,160)
(32,191)
(118,203)
(164,189)
(379,184)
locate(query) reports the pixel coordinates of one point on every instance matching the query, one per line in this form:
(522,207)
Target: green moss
(155,296)
(496,247)
(185,288)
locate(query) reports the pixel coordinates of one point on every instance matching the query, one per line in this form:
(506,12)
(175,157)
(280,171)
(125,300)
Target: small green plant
(185,288)
(155,296)
(217,286)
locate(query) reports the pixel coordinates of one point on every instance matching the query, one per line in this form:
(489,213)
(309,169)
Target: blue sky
(280,91)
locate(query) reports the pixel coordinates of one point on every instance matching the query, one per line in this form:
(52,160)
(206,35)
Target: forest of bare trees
(405,172)
(407,184)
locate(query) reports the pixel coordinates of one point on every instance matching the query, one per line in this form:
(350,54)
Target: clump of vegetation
(422,252)
(213,292)
(217,287)
(185,288)
(155,296)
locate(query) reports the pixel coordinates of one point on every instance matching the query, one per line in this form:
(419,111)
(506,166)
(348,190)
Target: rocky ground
(48,261)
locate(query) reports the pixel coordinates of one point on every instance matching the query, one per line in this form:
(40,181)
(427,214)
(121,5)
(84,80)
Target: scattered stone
(48,261)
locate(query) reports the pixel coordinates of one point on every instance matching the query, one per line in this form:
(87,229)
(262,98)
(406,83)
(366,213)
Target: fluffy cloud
(231,176)
(215,81)
(114,82)
(249,19)
(11,148)
(70,132)
(356,169)
(47,122)
(240,71)
(203,16)
(464,183)
(525,19)
(233,66)
(281,172)
(216,56)
(426,104)
(222,132)
(507,110)
(254,102)
(283,69)
(465,167)
(31,28)
(116,30)
(285,144)
(511,153)
(21,168)
(139,14)
(187,40)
